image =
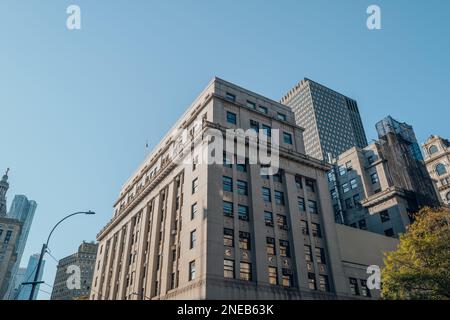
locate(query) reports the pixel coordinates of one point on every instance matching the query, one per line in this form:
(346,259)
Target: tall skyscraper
(23,210)
(403,130)
(331,120)
(188,230)
(84,259)
(25,290)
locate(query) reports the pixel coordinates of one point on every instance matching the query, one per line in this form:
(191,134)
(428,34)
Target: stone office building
(224,231)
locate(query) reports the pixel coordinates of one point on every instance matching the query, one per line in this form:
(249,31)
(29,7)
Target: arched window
(440,169)
(448,196)
(433,149)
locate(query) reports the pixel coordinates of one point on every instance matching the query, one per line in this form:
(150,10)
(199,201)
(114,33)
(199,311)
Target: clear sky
(76,107)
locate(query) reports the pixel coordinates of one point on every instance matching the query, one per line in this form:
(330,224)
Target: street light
(44,249)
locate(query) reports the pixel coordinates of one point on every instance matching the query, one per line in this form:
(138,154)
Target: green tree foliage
(420,268)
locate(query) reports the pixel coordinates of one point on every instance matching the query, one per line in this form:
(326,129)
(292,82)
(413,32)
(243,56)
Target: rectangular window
(228,237)
(246,271)
(365,292)
(287,138)
(273,276)
(312,281)
(194,185)
(270,242)
(194,209)
(354,286)
(266,194)
(231,117)
(301,204)
(267,130)
(227,160)
(282,222)
(304,227)
(231,97)
(279,198)
(384,216)
(348,203)
(191,270)
(331,176)
(353,183)
(316,230)
(228,209)
(374,178)
(254,125)
(324,284)
(345,187)
(286,277)
(244,240)
(298,181)
(312,207)
(308,254)
(268,218)
(243,212)
(320,255)
(262,109)
(241,167)
(281,116)
(228,269)
(284,249)
(348,165)
(242,188)
(251,105)
(193,239)
(342,170)
(227,184)
(278,177)
(356,200)
(310,185)
(333,193)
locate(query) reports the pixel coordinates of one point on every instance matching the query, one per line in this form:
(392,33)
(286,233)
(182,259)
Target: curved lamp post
(43,251)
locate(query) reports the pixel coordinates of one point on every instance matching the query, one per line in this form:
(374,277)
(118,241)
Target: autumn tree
(420,267)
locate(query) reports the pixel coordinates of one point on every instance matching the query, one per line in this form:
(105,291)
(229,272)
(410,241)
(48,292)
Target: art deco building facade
(378,188)
(331,120)
(437,160)
(84,259)
(224,231)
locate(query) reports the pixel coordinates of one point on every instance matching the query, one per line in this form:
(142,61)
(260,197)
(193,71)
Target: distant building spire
(4,186)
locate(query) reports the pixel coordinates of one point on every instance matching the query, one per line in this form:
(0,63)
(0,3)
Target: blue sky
(76,107)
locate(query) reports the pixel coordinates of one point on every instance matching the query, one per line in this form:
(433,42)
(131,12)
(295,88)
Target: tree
(420,268)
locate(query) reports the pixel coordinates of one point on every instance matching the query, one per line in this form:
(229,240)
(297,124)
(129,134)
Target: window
(389,232)
(241,167)
(324,284)
(440,169)
(353,183)
(246,271)
(308,254)
(231,97)
(298,182)
(226,160)
(320,255)
(194,185)
(273,276)
(266,194)
(228,268)
(362,224)
(312,207)
(254,125)
(244,240)
(316,230)
(268,218)
(228,237)
(384,216)
(262,109)
(348,165)
(370,159)
(287,138)
(193,239)
(231,117)
(270,246)
(282,222)
(267,130)
(301,204)
(243,212)
(194,163)
(432,150)
(356,200)
(374,178)
(304,227)
(228,209)
(7,236)
(365,292)
(227,184)
(354,286)
(312,281)
(281,116)
(279,198)
(348,203)
(242,188)
(310,185)
(251,105)
(191,270)
(333,193)
(342,170)
(345,187)
(284,249)
(278,177)
(286,277)
(194,209)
